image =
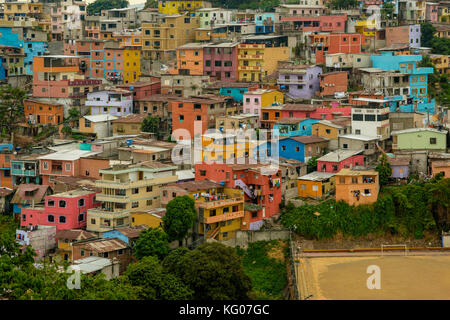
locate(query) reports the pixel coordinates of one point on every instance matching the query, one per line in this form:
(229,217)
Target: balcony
(249,68)
(26,173)
(219,203)
(224,217)
(134,184)
(250,56)
(290,81)
(102,213)
(112,198)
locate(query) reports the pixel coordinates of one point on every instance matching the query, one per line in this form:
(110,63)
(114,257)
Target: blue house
(127,234)
(264,22)
(237,93)
(294,127)
(2,70)
(300,148)
(407,65)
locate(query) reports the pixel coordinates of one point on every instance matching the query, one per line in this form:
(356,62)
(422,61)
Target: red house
(262,191)
(334,161)
(64,210)
(329,43)
(143,89)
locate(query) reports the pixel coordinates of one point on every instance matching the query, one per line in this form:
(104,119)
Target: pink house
(316,23)
(64,210)
(334,161)
(431,13)
(308,111)
(255,99)
(226,53)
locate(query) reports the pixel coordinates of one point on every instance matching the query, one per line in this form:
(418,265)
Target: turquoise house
(237,93)
(294,127)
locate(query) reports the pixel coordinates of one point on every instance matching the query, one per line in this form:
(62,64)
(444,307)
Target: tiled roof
(306,139)
(74,234)
(103,245)
(38,196)
(299,107)
(131,118)
(196,185)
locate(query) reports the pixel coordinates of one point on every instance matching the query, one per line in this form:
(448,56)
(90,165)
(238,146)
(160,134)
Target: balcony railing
(134,184)
(249,68)
(224,217)
(19,172)
(219,203)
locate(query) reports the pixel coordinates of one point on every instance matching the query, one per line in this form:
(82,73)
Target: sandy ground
(402,277)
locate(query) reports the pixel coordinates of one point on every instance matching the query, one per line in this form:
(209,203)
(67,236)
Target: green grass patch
(264,263)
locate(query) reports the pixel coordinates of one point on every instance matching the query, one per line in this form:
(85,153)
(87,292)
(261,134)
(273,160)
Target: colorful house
(6,155)
(129,235)
(173,7)
(321,23)
(316,184)
(399,166)
(151,218)
(331,130)
(116,102)
(302,148)
(307,111)
(357,186)
(254,100)
(220,61)
(39,111)
(25,169)
(65,238)
(132,64)
(419,139)
(261,185)
(29,195)
(300,81)
(293,127)
(64,210)
(220,210)
(321,44)
(340,159)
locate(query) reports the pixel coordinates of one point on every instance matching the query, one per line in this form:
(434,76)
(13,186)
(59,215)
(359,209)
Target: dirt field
(402,277)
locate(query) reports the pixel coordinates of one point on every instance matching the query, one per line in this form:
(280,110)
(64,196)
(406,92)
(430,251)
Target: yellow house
(441,62)
(65,239)
(255,61)
(151,218)
(221,147)
(366,27)
(128,39)
(315,184)
(131,124)
(14,9)
(132,64)
(125,189)
(220,210)
(179,6)
(160,40)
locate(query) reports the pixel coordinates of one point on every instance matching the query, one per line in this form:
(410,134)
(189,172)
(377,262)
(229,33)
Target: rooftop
(356,172)
(103,245)
(358,137)
(418,130)
(196,185)
(100,118)
(317,176)
(131,118)
(306,139)
(339,155)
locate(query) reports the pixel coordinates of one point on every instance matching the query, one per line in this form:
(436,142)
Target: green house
(419,139)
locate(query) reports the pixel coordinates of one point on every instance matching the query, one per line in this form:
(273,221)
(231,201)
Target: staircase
(239,183)
(213,234)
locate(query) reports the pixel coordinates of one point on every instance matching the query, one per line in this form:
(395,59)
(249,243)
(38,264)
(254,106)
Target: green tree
(66,131)
(214,271)
(343,4)
(154,283)
(151,4)
(312,164)
(11,108)
(384,170)
(387,10)
(427,33)
(152,242)
(440,46)
(150,124)
(179,218)
(98,5)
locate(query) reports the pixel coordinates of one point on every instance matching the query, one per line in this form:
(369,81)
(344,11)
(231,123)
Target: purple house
(220,61)
(400,167)
(300,81)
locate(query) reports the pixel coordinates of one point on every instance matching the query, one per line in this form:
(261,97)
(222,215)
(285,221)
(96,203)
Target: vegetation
(264,5)
(407,210)
(438,84)
(151,4)
(150,124)
(11,107)
(312,164)
(154,283)
(152,242)
(179,218)
(212,270)
(268,274)
(428,39)
(343,4)
(97,6)
(384,170)
(387,10)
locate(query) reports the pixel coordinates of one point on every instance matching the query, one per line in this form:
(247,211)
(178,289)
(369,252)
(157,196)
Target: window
(149,202)
(135,191)
(357,117)
(135,204)
(82,253)
(68,167)
(92,221)
(342,180)
(354,180)
(62,203)
(149,188)
(50,203)
(357,131)
(81,217)
(369,117)
(45,165)
(432,140)
(51,218)
(120,252)
(80,202)
(203,173)
(62,219)
(283,148)
(297,149)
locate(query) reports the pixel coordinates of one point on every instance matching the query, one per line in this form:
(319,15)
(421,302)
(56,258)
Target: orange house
(43,112)
(190,59)
(270,115)
(357,186)
(6,179)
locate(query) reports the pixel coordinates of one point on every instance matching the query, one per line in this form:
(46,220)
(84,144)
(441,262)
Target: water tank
(129,142)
